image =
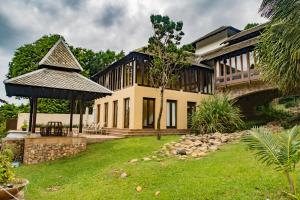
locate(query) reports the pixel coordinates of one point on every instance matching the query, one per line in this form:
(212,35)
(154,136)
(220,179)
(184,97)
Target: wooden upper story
(132,70)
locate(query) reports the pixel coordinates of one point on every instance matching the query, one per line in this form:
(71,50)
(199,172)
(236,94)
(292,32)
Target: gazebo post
(71,114)
(81,115)
(30,115)
(34,105)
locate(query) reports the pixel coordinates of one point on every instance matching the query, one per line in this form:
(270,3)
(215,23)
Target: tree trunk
(160,113)
(291,182)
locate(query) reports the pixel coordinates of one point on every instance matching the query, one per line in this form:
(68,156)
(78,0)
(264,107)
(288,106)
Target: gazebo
(57,77)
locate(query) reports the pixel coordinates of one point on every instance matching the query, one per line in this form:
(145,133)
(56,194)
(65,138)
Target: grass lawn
(230,173)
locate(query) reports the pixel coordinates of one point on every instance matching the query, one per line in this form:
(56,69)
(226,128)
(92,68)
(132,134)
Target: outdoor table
(53,129)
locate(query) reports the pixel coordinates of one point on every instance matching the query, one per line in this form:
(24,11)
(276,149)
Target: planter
(24,129)
(19,184)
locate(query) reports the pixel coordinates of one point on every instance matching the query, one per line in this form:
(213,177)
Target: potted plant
(24,126)
(9,185)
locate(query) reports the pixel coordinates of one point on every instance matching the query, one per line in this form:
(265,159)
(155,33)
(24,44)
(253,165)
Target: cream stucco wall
(209,47)
(136,95)
(44,118)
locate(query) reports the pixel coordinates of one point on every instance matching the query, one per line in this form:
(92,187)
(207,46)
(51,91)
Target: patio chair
(100,129)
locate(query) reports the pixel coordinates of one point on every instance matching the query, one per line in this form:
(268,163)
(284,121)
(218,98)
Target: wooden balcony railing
(236,78)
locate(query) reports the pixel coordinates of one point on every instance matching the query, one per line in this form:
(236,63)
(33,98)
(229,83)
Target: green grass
(230,173)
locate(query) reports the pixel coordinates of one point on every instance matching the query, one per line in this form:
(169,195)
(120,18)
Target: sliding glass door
(171,114)
(148,112)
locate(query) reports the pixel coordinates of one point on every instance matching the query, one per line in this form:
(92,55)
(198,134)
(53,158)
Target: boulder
(181,152)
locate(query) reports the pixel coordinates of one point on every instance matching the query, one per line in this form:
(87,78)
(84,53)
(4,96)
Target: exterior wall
(42,149)
(44,118)
(136,95)
(201,49)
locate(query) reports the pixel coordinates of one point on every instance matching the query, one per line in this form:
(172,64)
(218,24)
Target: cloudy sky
(115,24)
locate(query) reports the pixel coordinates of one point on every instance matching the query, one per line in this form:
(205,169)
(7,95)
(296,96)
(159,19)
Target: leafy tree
(217,114)
(250,25)
(167,57)
(27,57)
(278,50)
(279,150)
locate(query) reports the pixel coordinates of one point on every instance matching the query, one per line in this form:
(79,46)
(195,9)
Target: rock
(213,148)
(147,159)
(138,188)
(133,160)
(154,157)
(157,193)
(123,175)
(181,152)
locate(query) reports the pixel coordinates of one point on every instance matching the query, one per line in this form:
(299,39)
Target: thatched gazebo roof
(58,77)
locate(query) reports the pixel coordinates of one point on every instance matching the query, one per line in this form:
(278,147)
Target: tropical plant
(6,171)
(217,114)
(278,50)
(167,57)
(278,150)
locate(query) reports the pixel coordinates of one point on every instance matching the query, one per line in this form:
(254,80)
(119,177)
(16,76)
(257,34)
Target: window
(191,108)
(148,112)
(127,78)
(105,114)
(115,114)
(171,114)
(98,113)
(126,113)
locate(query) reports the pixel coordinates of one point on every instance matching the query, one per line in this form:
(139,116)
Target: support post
(81,115)
(34,104)
(30,115)
(71,114)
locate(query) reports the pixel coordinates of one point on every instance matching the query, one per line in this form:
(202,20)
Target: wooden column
(81,115)
(71,114)
(30,115)
(34,111)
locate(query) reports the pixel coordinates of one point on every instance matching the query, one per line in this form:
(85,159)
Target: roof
(216,31)
(228,49)
(244,33)
(44,81)
(60,57)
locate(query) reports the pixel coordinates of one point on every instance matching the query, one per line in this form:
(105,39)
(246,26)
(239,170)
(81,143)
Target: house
(225,57)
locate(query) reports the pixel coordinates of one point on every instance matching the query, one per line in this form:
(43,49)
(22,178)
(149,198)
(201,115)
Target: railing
(237,78)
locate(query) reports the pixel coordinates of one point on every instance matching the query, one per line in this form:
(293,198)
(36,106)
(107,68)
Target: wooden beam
(34,103)
(30,115)
(71,114)
(81,115)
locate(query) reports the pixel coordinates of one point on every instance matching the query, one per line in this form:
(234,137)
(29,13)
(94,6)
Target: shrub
(217,114)
(6,171)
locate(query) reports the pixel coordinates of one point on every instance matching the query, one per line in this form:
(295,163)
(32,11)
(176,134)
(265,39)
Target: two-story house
(225,55)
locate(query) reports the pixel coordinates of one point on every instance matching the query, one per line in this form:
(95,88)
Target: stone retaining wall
(42,149)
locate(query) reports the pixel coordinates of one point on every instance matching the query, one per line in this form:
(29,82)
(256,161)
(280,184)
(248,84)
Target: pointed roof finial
(60,56)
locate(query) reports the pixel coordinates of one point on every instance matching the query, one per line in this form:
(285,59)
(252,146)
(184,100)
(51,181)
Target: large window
(105,114)
(115,114)
(148,112)
(191,108)
(126,113)
(171,114)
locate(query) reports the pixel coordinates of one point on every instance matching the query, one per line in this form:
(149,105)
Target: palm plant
(278,150)
(278,51)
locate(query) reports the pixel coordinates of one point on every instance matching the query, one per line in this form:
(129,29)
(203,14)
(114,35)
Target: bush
(217,114)
(274,113)
(6,170)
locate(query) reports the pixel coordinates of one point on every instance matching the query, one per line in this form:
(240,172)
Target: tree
(279,150)
(250,25)
(167,57)
(27,57)
(278,50)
